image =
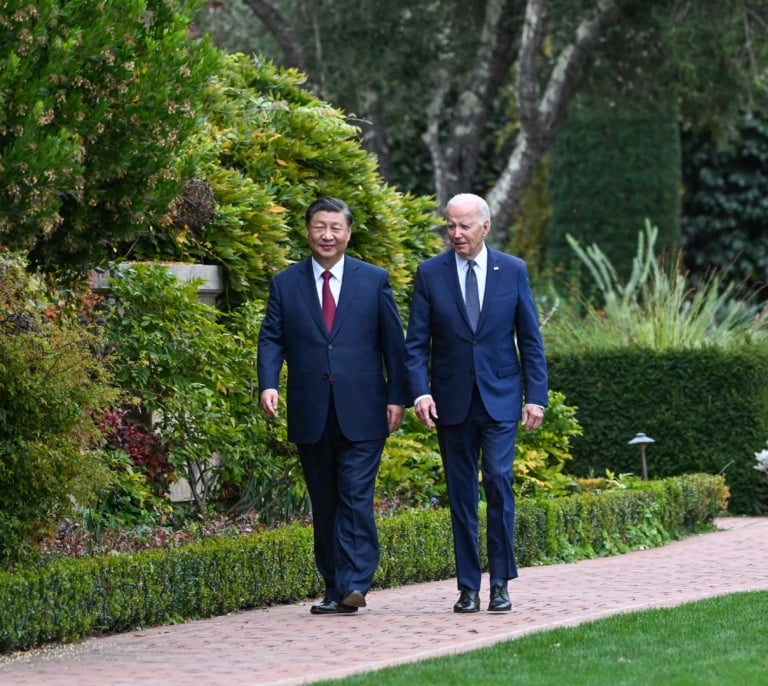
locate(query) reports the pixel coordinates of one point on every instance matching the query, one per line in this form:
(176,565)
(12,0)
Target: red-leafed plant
(145,447)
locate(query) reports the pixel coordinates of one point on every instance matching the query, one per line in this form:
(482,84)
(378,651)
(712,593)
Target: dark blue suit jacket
(364,353)
(505,354)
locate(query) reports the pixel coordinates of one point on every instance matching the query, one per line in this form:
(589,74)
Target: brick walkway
(285,645)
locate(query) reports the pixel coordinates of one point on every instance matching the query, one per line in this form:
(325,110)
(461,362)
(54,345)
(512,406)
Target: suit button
(325,376)
(330,346)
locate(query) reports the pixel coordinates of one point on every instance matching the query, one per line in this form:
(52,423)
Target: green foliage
(126,500)
(411,470)
(268,149)
(725,211)
(655,308)
(195,376)
(611,170)
(706,409)
(659,356)
(541,455)
(51,383)
(97,100)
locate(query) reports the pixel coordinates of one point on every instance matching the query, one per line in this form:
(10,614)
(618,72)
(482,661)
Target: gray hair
(482,207)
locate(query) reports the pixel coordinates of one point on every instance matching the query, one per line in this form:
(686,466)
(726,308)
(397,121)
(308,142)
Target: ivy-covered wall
(725,204)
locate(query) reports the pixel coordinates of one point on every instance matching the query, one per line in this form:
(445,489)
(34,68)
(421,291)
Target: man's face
(466,231)
(328,236)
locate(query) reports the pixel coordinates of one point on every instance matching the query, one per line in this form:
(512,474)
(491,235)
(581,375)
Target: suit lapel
(492,278)
(308,290)
(451,276)
(349,290)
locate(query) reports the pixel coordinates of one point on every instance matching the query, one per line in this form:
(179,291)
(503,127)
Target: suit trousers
(341,480)
(492,443)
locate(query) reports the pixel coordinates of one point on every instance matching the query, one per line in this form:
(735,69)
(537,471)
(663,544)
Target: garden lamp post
(642,440)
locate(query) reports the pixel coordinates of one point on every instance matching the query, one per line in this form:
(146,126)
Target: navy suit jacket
(505,355)
(364,353)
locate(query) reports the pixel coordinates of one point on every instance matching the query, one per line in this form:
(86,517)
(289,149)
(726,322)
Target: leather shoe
(469,601)
(331,607)
(499,600)
(353,599)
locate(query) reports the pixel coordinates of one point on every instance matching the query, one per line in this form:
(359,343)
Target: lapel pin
(495,269)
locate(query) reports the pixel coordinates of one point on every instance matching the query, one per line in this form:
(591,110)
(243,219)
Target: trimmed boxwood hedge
(67,599)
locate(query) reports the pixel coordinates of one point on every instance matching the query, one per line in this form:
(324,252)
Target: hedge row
(707,410)
(67,599)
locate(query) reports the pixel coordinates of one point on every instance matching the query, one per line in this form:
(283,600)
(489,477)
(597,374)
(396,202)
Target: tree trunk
(283,32)
(455,156)
(542,114)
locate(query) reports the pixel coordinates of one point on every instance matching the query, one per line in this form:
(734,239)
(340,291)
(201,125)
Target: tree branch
(540,120)
(283,32)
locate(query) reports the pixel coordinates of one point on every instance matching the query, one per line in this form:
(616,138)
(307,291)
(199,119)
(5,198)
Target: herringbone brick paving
(285,645)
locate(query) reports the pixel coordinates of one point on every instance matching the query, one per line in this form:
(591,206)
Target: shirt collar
(481,260)
(337,270)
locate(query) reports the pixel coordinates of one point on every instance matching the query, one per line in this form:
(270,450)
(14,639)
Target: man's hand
(395,415)
(269,402)
(426,411)
(533,416)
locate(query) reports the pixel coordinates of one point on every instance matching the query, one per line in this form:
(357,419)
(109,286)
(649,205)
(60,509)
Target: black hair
(328,205)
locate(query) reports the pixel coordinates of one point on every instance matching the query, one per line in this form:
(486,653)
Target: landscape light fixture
(642,440)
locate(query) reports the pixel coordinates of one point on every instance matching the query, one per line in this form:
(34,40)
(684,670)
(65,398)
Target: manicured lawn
(717,642)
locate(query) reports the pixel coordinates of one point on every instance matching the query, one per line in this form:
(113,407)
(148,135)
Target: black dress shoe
(469,601)
(353,599)
(499,600)
(331,607)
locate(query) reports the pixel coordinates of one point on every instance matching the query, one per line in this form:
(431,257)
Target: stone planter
(208,292)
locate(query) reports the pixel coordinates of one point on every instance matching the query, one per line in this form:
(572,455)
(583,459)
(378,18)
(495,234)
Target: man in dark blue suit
(333,320)
(476,367)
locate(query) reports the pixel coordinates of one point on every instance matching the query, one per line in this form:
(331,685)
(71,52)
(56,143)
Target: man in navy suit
(334,321)
(476,367)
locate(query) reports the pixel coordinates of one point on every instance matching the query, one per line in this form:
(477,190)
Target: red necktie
(329,304)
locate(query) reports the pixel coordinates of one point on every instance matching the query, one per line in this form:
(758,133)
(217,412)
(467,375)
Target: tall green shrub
(611,170)
(51,382)
(196,378)
(724,208)
(97,100)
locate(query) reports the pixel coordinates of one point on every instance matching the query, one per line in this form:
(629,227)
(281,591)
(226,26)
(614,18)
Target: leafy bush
(98,101)
(51,382)
(411,471)
(541,455)
(196,378)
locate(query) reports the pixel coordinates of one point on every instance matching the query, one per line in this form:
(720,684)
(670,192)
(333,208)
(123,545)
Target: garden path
(286,646)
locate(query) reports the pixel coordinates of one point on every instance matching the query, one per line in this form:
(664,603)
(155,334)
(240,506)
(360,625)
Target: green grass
(716,642)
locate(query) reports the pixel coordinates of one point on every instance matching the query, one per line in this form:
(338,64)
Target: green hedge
(707,410)
(67,599)
(610,171)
